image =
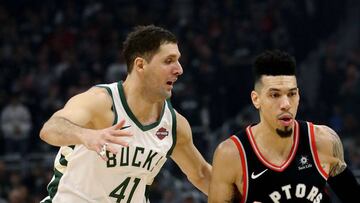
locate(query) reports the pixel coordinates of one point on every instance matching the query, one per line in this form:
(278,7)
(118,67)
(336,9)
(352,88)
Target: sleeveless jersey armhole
(314,151)
(244,167)
(113,108)
(174,127)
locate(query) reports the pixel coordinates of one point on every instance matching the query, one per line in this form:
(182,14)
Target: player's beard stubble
(287,132)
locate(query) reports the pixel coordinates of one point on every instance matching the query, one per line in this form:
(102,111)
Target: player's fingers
(119,125)
(121,133)
(104,158)
(102,151)
(112,149)
(118,140)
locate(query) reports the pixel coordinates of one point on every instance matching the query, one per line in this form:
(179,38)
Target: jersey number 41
(119,191)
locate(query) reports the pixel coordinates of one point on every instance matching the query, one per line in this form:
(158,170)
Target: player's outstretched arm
(81,120)
(226,174)
(188,158)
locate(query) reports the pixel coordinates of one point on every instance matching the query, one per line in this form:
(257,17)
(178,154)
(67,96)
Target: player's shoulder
(182,123)
(227,158)
(180,118)
(183,129)
(326,138)
(95,97)
(98,92)
(325,134)
(91,95)
(330,146)
(227,149)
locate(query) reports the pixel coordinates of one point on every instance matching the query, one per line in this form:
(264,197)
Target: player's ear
(255,99)
(139,63)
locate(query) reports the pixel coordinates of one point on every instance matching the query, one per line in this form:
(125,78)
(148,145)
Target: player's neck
(146,110)
(270,143)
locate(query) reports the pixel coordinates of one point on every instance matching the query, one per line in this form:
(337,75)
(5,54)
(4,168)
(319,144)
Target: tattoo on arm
(338,152)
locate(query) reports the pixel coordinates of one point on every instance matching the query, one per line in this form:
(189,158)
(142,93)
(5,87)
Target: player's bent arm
(188,158)
(226,173)
(341,179)
(77,121)
(68,125)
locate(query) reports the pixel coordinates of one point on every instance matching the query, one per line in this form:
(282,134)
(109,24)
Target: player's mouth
(285,120)
(171,82)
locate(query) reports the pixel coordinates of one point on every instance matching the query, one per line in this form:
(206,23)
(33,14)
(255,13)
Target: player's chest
(135,157)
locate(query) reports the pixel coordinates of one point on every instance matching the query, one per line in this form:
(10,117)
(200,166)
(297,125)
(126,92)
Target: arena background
(51,50)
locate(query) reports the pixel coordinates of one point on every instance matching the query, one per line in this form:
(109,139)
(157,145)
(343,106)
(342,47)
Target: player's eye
(274,95)
(291,94)
(168,61)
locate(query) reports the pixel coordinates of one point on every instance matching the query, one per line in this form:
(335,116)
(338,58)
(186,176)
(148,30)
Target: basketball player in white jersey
(114,138)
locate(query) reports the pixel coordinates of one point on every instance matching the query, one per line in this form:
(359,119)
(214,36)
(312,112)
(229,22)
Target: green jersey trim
(54,183)
(173,115)
(63,161)
(113,108)
(53,186)
(132,116)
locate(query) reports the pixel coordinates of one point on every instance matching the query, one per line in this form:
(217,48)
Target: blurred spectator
(116,71)
(336,119)
(19,195)
(37,181)
(190,197)
(353,151)
(16,125)
(349,90)
(4,180)
(51,50)
(15,179)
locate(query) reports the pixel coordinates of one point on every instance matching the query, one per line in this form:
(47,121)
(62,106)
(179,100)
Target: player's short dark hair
(145,41)
(273,63)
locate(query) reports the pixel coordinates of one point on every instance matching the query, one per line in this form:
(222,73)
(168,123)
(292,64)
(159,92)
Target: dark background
(52,50)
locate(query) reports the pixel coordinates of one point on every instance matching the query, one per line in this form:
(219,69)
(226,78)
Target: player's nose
(285,103)
(178,69)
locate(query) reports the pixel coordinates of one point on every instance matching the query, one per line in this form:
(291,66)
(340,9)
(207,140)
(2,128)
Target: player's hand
(105,139)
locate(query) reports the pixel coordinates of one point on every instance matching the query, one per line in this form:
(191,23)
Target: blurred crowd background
(52,50)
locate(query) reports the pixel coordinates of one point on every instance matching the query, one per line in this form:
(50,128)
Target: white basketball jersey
(80,175)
